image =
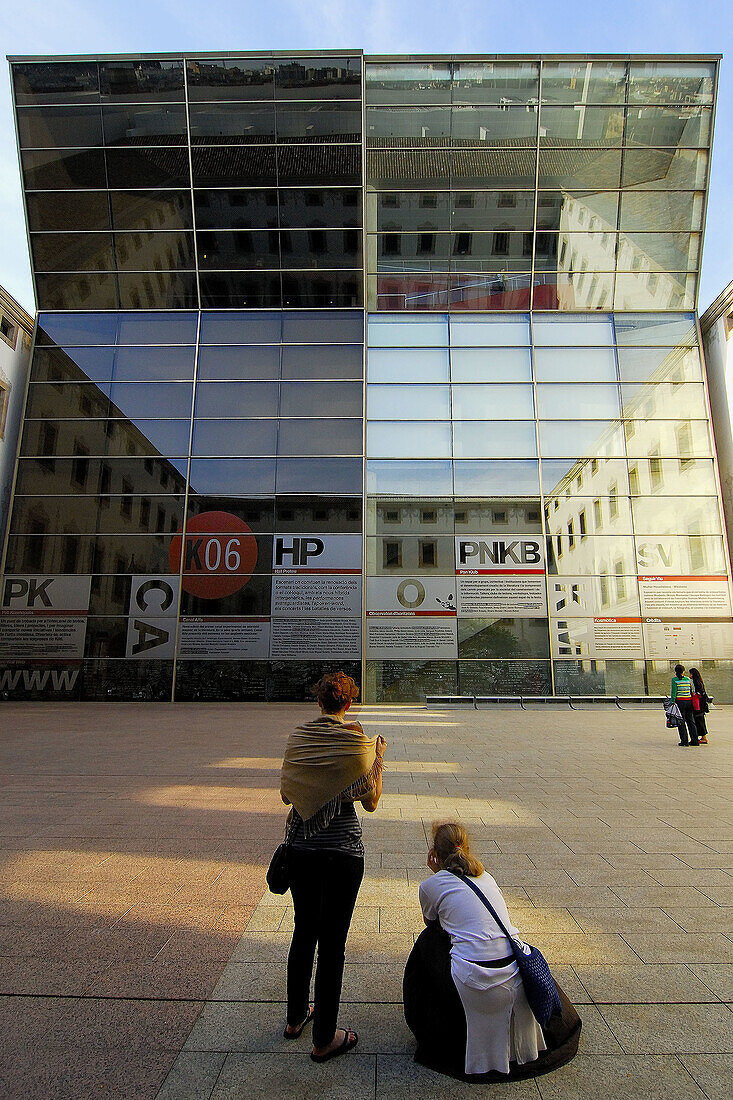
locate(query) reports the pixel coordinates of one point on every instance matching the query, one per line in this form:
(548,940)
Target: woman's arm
(674,688)
(371,801)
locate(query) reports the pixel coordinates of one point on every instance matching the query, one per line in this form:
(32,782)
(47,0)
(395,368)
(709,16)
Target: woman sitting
(464,998)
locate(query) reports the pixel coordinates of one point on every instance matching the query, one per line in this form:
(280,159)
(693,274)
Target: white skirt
(500,1026)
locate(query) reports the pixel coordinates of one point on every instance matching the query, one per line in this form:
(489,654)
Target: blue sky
(376,26)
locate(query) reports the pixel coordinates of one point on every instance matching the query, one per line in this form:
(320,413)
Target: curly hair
(450,841)
(334,690)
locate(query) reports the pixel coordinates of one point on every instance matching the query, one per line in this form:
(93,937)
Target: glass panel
(413,478)
(498,514)
(505,210)
(419,439)
(322,475)
(233,477)
(302,208)
(574,253)
(645,401)
(485,365)
(58,127)
(318,513)
(583,402)
(144,124)
(72,252)
(688,556)
(668,251)
(496,478)
(235,251)
(154,251)
(46,401)
(684,82)
(322,361)
(488,402)
(655,328)
(595,169)
(232,123)
(389,170)
(139,680)
(77,291)
(152,474)
(223,399)
(504,125)
(495,82)
(667,437)
(414,402)
(690,516)
(660,126)
(400,554)
(86,514)
(665,169)
(428,517)
(159,290)
(407,365)
(240,328)
(223,363)
(400,332)
(80,328)
(142,364)
(654,291)
(148,167)
(410,681)
(504,678)
(67,210)
(239,78)
(236,209)
(562,210)
(221,165)
(156,328)
(334,328)
(70,168)
(669,211)
(667,476)
(505,168)
(656,364)
(318,122)
(239,291)
(593,556)
(318,78)
(123,554)
(141,80)
(320,399)
(583,81)
(581,436)
(592,677)
(396,211)
(325,289)
(573,126)
(139,399)
(72,364)
(579,331)
(320,437)
(575,365)
(502,439)
(591,476)
(579,516)
(324,248)
(234,437)
(405,82)
(717,677)
(477,332)
(503,638)
(151,209)
(55,82)
(319,164)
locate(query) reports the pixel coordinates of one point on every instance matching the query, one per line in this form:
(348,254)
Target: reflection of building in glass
(16,329)
(527,504)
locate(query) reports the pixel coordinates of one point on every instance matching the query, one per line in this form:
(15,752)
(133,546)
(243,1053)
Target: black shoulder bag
(278,873)
(539,984)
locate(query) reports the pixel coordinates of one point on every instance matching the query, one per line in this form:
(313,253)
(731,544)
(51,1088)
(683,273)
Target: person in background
(681,694)
(699,689)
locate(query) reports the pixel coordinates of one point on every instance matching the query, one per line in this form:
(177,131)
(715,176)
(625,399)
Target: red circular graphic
(219,555)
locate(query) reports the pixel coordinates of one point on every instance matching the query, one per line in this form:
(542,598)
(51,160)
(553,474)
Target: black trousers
(688,715)
(324,886)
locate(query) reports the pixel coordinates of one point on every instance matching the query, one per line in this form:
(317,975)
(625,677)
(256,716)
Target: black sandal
(348,1044)
(299,1030)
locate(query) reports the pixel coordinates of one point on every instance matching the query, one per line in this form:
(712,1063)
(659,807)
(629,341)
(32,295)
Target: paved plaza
(142,956)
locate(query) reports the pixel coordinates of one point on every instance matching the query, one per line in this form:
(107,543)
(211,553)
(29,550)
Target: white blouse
(475,935)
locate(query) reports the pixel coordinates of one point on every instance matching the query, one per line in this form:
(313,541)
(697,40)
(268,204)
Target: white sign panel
(151,626)
(316,553)
(412,595)
(603,638)
(685,597)
(688,642)
(210,639)
(583,596)
(315,639)
(411,636)
(320,594)
(44,616)
(501,575)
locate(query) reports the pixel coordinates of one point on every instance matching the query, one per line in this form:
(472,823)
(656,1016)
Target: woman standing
(463,994)
(700,721)
(681,694)
(329,764)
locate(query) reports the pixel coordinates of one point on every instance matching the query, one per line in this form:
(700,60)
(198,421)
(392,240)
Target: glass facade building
(390,364)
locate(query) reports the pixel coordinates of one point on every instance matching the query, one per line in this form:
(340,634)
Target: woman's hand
(381,746)
(433,861)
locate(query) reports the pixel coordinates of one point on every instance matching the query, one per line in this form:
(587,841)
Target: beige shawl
(327,761)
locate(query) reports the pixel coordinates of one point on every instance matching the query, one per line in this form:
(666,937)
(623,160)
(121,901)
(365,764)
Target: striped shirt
(343,834)
(681,688)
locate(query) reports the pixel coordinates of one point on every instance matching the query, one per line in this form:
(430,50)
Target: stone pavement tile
(566,977)
(192,1077)
(529,920)
(717,976)
(393,920)
(671,1029)
(366,947)
(266,919)
(400,1078)
(264,1076)
(596,1036)
(708,859)
(571,948)
(646,861)
(573,897)
(712,1072)
(263,947)
(365,919)
(691,876)
(260,981)
(718,918)
(639,984)
(372,982)
(116,1022)
(614,1077)
(50,977)
(721,895)
(662,896)
(685,947)
(72,1071)
(623,919)
(190,980)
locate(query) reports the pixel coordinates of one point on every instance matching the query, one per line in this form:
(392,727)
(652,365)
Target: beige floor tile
(712,1072)
(614,1077)
(671,1029)
(717,976)
(639,984)
(685,947)
(623,919)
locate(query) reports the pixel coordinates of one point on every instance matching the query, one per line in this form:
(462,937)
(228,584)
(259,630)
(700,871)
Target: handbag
(674,715)
(278,873)
(696,700)
(539,984)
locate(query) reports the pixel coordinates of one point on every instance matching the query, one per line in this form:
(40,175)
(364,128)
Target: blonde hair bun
(452,847)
